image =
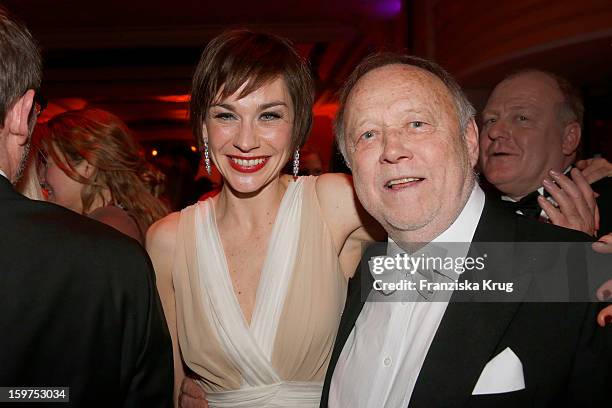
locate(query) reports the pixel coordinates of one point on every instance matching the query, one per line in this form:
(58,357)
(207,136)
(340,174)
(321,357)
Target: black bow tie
(527,205)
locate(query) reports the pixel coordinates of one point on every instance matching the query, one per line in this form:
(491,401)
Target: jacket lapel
(470,332)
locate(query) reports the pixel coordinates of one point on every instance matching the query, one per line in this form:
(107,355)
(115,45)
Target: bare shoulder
(163,231)
(334,191)
(161,238)
(339,205)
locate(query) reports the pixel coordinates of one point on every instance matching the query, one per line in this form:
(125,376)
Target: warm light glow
(172,98)
(194,149)
(326,109)
(154,152)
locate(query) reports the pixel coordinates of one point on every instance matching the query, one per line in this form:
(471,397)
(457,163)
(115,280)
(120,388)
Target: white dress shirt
(3,174)
(381,360)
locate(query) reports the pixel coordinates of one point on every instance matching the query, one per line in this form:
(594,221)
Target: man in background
(78,303)
(531,131)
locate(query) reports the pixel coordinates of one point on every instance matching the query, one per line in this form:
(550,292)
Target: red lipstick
(247,164)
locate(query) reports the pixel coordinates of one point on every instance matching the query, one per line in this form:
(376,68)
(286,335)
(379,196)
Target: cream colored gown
(281,358)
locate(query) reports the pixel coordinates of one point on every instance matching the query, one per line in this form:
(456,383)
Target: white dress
(281,358)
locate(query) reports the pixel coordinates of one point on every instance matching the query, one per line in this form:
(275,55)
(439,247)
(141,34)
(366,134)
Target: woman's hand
(576,206)
(603,245)
(605,316)
(192,395)
(604,293)
(595,169)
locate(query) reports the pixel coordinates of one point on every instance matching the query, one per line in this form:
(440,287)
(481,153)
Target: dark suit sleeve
(146,366)
(591,376)
(604,188)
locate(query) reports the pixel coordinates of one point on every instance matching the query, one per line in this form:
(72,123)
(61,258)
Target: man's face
(412,169)
(522,135)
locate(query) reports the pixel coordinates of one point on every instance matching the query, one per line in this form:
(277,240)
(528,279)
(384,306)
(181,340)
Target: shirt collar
(540,190)
(464,226)
(458,235)
(3,174)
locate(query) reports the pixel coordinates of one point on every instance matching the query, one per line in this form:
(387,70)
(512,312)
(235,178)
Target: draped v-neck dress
(280,359)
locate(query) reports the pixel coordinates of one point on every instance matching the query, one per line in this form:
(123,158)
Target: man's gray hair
(465,110)
(20,62)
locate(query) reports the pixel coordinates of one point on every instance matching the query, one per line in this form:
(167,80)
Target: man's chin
(498,178)
(406,224)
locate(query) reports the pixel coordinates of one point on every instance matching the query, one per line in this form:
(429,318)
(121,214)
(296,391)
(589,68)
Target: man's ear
(571,138)
(17,118)
(471,142)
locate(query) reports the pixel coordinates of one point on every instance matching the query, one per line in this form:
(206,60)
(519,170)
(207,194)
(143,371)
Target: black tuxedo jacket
(565,355)
(79,309)
(603,187)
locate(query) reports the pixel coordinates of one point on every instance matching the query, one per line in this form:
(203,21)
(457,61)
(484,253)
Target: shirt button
(403,303)
(387,361)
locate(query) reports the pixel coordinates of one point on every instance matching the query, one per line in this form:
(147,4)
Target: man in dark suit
(408,134)
(78,303)
(530,134)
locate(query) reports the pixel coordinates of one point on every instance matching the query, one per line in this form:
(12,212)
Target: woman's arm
(351,226)
(160,243)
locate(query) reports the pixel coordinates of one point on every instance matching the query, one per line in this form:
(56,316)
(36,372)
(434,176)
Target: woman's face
(60,188)
(249,138)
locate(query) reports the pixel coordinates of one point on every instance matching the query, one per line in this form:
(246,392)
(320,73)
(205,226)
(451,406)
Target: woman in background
(90,164)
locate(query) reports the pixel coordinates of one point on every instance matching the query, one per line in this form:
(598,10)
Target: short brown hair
(465,110)
(240,56)
(21,65)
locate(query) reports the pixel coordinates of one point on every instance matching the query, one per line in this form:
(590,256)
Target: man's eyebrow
(490,112)
(357,125)
(272,105)
(522,106)
(409,110)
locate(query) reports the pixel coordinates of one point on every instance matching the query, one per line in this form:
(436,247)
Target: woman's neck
(248,211)
(102,199)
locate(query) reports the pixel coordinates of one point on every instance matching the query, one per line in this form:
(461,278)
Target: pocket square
(504,373)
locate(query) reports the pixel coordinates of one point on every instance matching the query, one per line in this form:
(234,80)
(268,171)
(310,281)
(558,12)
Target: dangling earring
(296,163)
(207,158)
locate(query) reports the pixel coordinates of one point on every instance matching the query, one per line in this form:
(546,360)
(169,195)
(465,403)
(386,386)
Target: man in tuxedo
(530,134)
(408,134)
(78,303)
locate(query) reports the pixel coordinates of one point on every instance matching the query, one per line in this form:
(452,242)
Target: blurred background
(135,58)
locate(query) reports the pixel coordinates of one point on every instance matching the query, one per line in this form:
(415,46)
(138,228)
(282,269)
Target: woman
(253,280)
(90,164)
